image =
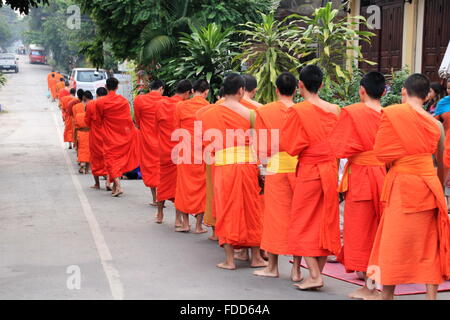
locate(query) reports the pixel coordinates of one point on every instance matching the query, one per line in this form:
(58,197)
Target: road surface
(59,239)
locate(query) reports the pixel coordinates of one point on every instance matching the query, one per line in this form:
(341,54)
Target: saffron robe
(79,107)
(68,122)
(191,180)
(280,180)
(353,138)
(412,244)
(236,188)
(82,136)
(95,140)
(120,141)
(167,168)
(145,108)
(314,224)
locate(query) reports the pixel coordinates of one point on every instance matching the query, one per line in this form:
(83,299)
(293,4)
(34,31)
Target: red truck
(37,54)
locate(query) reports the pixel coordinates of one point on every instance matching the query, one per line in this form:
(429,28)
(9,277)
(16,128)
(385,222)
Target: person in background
(435,95)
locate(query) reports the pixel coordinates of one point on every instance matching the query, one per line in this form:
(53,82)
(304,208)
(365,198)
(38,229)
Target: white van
(88,79)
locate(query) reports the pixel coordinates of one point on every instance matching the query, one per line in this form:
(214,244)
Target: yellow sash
(234,155)
(282,162)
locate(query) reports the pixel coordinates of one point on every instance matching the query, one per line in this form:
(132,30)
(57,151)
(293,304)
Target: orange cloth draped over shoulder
(121,141)
(353,138)
(63,93)
(145,108)
(77,108)
(165,119)
(314,224)
(82,135)
(236,188)
(49,76)
(191,180)
(412,244)
(210,215)
(280,179)
(59,86)
(95,140)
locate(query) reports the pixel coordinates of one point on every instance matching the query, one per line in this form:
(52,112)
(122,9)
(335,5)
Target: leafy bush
(396,81)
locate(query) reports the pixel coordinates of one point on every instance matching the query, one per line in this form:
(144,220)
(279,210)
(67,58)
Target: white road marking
(115,284)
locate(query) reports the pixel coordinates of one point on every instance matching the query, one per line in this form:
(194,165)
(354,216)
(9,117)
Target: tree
(5,33)
(269,50)
(23,5)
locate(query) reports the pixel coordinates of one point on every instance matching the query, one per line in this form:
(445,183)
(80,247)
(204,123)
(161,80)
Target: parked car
(88,79)
(8,62)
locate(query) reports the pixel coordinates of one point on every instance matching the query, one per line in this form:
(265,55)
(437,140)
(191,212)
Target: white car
(8,62)
(88,79)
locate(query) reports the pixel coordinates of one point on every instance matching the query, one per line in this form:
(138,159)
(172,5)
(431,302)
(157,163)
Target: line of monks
(265,178)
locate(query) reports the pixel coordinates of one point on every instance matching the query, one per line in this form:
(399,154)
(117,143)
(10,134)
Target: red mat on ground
(337,271)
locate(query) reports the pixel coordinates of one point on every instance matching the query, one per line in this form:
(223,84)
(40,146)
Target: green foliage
(208,55)
(23,5)
(2,79)
(329,42)
(5,33)
(268,49)
(394,94)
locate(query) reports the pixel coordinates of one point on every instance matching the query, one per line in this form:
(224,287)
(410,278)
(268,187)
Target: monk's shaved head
(250,82)
(80,93)
(88,95)
(375,84)
(418,86)
(201,85)
(286,84)
(232,84)
(101,92)
(73,91)
(184,86)
(112,84)
(157,84)
(312,78)
(66,83)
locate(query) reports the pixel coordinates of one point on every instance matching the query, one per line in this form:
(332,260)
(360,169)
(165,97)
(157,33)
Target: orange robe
(59,86)
(95,140)
(121,138)
(280,181)
(167,168)
(145,108)
(412,244)
(68,122)
(77,108)
(52,85)
(314,224)
(236,188)
(209,218)
(63,93)
(49,76)
(353,138)
(191,180)
(82,135)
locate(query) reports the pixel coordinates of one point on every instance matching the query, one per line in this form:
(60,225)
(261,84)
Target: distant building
(413,33)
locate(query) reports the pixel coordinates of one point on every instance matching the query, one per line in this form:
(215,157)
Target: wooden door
(436,36)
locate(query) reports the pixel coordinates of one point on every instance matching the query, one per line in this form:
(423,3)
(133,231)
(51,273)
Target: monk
(73,109)
(251,88)
(59,86)
(145,107)
(314,231)
(353,138)
(96,152)
(191,180)
(52,85)
(65,91)
(83,152)
(68,126)
(165,122)
(120,139)
(280,178)
(49,76)
(236,189)
(412,244)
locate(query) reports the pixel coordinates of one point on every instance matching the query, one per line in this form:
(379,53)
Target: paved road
(52,225)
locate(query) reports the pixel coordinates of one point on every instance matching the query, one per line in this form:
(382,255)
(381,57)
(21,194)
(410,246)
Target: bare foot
(296,276)
(258,263)
(181,229)
(309,284)
(226,266)
(97,187)
(200,231)
(241,255)
(108,188)
(117,194)
(159,218)
(266,273)
(213,238)
(154,204)
(376,295)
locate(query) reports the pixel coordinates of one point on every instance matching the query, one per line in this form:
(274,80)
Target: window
(90,76)
(36,53)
